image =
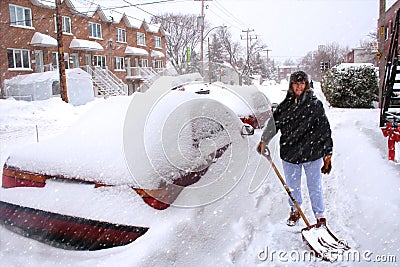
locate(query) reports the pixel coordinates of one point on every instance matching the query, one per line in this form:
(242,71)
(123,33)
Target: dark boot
(293,218)
(320,222)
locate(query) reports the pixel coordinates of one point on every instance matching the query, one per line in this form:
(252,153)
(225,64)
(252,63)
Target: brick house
(125,48)
(285,71)
(387,27)
(362,55)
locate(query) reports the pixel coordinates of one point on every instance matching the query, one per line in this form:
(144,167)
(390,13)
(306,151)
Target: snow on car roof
(222,94)
(93,148)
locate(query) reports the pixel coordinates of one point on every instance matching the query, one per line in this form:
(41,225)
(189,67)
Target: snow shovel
(318,237)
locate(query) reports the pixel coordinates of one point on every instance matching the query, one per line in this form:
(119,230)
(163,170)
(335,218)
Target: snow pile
(41,86)
(275,93)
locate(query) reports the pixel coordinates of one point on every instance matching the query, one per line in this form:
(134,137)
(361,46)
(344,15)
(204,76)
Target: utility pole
(202,41)
(248,38)
(61,66)
(209,60)
(267,50)
(381,47)
(200,22)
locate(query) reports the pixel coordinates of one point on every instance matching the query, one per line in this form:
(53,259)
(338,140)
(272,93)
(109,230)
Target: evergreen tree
(353,87)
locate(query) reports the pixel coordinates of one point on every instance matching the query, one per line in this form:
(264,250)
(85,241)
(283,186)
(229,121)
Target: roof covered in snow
(89,8)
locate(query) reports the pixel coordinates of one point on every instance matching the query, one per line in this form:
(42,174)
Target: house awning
(157,54)
(85,45)
(43,40)
(135,51)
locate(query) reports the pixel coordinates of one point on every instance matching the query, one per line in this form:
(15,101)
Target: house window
(144,63)
(121,35)
(54,59)
(18,59)
(157,42)
(66,60)
(95,30)
(99,61)
(119,63)
(386,33)
(66,24)
(20,16)
(158,64)
(141,38)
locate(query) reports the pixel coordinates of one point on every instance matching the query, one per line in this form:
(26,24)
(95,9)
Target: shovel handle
(267,154)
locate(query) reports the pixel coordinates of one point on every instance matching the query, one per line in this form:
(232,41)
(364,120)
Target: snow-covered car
(249,104)
(126,156)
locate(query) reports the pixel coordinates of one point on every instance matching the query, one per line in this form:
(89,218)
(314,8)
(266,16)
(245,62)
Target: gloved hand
(261,147)
(326,169)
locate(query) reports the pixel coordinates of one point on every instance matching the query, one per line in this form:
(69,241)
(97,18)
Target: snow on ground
(243,229)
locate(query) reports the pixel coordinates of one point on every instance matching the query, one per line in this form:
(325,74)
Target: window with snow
(20,16)
(95,30)
(18,59)
(141,38)
(121,35)
(157,42)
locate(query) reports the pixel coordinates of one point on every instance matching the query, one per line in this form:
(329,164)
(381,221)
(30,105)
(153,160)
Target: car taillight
(250,120)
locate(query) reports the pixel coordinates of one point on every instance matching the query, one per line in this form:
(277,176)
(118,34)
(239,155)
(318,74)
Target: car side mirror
(274,106)
(247,129)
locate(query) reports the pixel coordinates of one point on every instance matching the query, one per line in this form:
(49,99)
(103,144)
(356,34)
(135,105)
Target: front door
(88,60)
(39,65)
(128,67)
(75,60)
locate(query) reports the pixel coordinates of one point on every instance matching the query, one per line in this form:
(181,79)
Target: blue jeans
(313,174)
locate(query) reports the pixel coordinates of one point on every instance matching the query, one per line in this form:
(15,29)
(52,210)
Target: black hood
(298,76)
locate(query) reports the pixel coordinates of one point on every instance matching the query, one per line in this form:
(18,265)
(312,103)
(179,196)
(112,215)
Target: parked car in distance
(250,105)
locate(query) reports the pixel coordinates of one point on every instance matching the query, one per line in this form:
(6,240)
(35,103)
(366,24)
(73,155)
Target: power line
(230,15)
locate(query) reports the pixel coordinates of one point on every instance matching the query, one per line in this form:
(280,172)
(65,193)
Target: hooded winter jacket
(305,129)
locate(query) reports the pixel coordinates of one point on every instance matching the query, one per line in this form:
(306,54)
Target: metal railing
(106,82)
(391,71)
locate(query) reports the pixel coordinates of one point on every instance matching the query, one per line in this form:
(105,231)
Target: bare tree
(237,55)
(368,52)
(331,53)
(234,51)
(289,62)
(183,36)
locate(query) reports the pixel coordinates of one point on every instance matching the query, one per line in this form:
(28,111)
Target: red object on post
(394,136)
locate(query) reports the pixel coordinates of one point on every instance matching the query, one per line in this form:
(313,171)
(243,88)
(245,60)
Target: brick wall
(43,21)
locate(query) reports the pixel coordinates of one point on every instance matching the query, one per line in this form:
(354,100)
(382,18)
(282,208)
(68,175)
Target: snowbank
(41,86)
(361,195)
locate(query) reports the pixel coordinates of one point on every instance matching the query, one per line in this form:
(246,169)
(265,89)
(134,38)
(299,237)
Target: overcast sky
(290,28)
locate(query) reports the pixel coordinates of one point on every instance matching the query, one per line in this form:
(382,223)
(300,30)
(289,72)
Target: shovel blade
(326,245)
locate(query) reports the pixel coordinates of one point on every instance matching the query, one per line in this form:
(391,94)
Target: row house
(389,18)
(112,46)
(285,71)
(385,31)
